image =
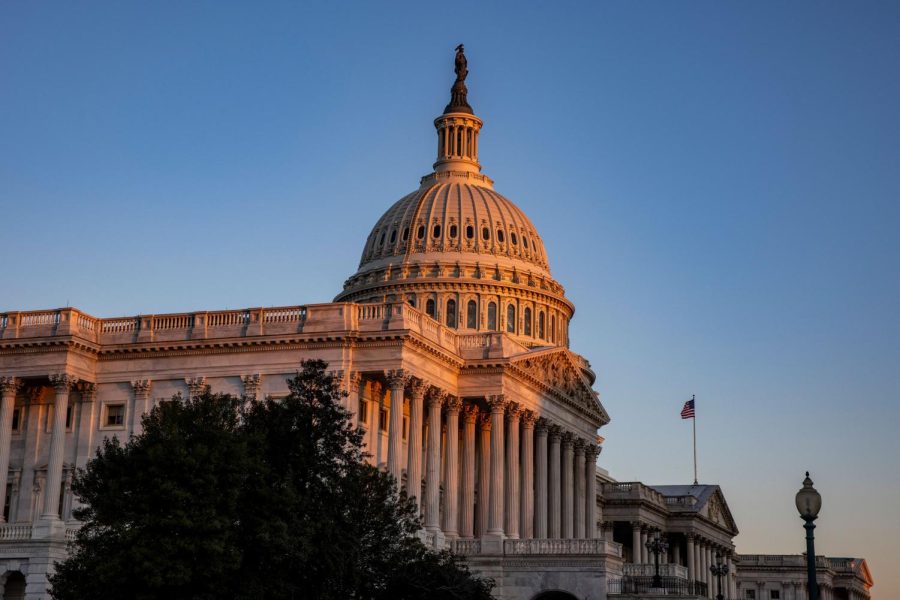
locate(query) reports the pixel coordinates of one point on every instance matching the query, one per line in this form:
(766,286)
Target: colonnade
(492,468)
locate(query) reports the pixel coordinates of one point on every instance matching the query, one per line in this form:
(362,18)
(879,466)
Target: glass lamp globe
(808,500)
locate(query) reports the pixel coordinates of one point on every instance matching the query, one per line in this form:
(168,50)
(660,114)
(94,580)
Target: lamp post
(657,546)
(719,570)
(809,502)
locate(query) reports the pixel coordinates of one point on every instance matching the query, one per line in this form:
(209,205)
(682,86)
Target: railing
(185,321)
(669,586)
(118,325)
(70,534)
(633,490)
(9,533)
(647,570)
(234,317)
(40,318)
(555,546)
(290,314)
(466,547)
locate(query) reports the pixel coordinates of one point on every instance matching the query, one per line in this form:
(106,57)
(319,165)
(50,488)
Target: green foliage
(214,500)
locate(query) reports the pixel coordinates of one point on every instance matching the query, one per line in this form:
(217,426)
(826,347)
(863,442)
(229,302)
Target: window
(453,231)
(50,411)
(363,411)
(451,313)
(492,316)
(541,324)
(436,232)
(552,328)
(470,232)
(393,236)
(775,594)
(486,234)
(381,239)
(405,233)
(512,238)
(525,241)
(510,318)
(411,299)
(527,321)
(16,420)
(429,308)
(405,428)
(420,232)
(472,315)
(115,415)
(500,236)
(750,594)
(383,420)
(6,502)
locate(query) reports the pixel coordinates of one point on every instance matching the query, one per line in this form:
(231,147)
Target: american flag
(688,411)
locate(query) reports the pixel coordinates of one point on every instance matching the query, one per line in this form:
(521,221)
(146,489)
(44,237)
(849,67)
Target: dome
(461,252)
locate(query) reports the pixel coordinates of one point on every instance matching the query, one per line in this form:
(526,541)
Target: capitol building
(451,340)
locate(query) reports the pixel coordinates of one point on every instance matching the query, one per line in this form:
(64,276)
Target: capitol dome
(461,252)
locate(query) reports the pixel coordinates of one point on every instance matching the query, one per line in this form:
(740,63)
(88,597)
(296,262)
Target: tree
(222,498)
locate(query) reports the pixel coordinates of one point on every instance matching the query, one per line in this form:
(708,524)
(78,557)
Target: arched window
(405,233)
(451,313)
(470,232)
(527,326)
(540,324)
(492,316)
(512,238)
(420,232)
(525,242)
(411,299)
(381,240)
(429,308)
(500,236)
(510,318)
(393,236)
(453,232)
(472,315)
(436,232)
(552,328)
(485,233)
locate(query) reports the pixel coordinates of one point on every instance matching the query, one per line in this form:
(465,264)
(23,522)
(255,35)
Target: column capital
(417,388)
(63,382)
(10,385)
(497,403)
(579,445)
(251,385)
(541,425)
(141,386)
(636,525)
(436,396)
(568,439)
(484,420)
(452,404)
(691,536)
(196,385)
(33,394)
(528,418)
(592,451)
(513,410)
(396,379)
(555,432)
(470,413)
(377,387)
(87,390)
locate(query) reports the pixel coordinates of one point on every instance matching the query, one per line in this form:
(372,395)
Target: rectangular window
(405,429)
(16,420)
(363,412)
(69,414)
(51,409)
(750,594)
(7,502)
(115,415)
(775,594)
(383,421)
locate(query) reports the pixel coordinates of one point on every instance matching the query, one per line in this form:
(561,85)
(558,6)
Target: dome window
(492,316)
(453,232)
(527,324)
(436,232)
(470,232)
(510,318)
(472,315)
(512,238)
(500,236)
(451,313)
(393,236)
(485,234)
(381,241)
(541,322)
(420,232)
(429,308)
(525,241)
(405,233)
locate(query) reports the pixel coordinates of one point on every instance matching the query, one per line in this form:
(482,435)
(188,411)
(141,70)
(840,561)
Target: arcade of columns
(503,471)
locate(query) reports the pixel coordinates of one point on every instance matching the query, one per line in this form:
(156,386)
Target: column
(636,542)
(590,472)
(253,382)
(467,512)
(513,411)
(495,516)
(396,381)
(540,479)
(484,472)
(196,386)
(555,492)
(568,489)
(8,388)
(676,553)
(691,557)
(644,551)
(414,446)
(526,503)
(141,403)
(451,489)
(579,508)
(62,383)
(433,462)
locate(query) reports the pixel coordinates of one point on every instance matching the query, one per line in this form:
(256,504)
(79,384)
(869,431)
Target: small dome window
(453,232)
(405,233)
(393,236)
(512,238)
(525,241)
(420,233)
(486,234)
(500,236)
(381,240)
(429,308)
(470,232)
(436,232)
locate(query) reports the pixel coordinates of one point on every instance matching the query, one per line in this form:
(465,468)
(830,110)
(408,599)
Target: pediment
(556,370)
(717,511)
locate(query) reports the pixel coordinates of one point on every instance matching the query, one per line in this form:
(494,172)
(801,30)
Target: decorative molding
(252,383)
(88,391)
(141,387)
(196,386)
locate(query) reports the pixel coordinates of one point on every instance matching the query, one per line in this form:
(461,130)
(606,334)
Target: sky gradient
(717,185)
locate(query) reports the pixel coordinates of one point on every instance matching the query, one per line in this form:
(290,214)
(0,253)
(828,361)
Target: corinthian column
(691,557)
(484,472)
(590,473)
(141,406)
(527,496)
(467,514)
(414,448)
(253,382)
(540,479)
(433,462)
(495,515)
(8,388)
(580,504)
(568,521)
(451,489)
(62,383)
(554,499)
(396,381)
(513,411)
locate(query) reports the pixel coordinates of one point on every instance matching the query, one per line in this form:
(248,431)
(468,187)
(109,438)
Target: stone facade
(783,577)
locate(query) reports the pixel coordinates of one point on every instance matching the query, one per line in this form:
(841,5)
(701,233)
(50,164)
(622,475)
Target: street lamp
(657,546)
(809,502)
(719,570)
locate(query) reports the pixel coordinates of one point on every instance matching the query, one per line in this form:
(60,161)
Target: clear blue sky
(717,185)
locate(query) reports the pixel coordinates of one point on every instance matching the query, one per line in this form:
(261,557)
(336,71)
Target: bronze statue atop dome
(458,92)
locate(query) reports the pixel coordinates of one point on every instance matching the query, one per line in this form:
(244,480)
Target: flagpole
(695,437)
